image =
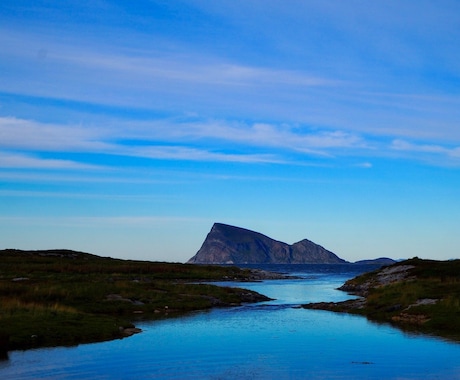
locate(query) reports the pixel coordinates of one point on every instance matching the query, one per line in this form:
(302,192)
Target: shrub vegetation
(62,297)
(426,300)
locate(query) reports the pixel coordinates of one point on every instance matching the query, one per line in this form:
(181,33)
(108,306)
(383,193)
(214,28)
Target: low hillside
(61,297)
(415,295)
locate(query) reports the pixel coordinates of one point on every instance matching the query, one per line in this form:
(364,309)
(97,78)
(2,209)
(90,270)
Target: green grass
(429,279)
(61,297)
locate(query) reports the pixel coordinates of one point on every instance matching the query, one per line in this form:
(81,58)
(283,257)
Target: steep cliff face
(234,245)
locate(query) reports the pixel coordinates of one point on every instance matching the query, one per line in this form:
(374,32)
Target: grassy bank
(62,297)
(419,296)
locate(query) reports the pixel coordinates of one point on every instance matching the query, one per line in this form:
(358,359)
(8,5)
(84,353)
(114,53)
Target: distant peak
(227,244)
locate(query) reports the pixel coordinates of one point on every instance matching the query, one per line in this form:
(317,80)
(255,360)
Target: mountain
(380,261)
(227,244)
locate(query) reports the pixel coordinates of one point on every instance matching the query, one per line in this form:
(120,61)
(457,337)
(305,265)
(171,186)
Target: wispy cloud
(285,136)
(345,101)
(135,71)
(33,136)
(429,152)
(365,165)
(86,196)
(193,154)
(23,141)
(18,133)
(179,138)
(25,161)
(322,104)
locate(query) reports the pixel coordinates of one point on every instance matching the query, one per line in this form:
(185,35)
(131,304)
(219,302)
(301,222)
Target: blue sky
(127,128)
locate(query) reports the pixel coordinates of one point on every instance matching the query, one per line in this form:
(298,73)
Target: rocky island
(227,244)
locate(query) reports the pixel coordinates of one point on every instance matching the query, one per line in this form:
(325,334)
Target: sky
(127,128)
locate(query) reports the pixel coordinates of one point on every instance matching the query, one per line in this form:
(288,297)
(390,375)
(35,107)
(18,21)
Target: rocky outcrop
(227,244)
(414,295)
(364,284)
(385,276)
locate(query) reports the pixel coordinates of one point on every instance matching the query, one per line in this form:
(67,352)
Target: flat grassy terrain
(418,296)
(61,297)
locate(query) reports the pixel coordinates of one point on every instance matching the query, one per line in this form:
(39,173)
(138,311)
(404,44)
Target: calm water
(272,340)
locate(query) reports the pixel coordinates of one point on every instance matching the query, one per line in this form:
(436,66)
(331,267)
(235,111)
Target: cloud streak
(23,161)
(29,135)
(443,154)
(193,141)
(18,133)
(344,97)
(198,140)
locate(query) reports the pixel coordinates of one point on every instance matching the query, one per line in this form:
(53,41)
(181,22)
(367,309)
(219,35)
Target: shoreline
(416,296)
(65,298)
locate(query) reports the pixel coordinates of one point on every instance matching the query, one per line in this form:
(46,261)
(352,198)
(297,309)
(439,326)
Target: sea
(269,340)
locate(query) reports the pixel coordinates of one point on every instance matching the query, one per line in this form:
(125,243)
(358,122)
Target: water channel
(270,340)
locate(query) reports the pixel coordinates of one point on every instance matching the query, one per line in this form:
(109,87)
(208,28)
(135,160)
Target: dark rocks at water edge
(386,276)
(227,244)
